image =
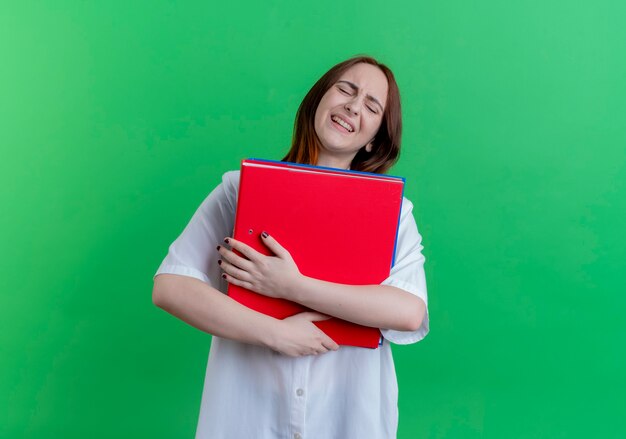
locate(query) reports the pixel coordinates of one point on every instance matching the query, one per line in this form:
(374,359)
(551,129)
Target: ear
(368,147)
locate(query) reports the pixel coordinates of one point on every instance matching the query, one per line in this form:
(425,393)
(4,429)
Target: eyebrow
(355,87)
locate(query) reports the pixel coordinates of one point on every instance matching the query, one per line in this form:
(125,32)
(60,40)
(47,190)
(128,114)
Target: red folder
(339,226)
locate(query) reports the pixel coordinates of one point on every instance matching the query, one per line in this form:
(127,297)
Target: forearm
(211,311)
(379,306)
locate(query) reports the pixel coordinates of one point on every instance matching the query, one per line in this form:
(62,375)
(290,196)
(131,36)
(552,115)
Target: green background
(117,119)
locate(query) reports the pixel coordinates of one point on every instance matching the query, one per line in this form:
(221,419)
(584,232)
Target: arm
(209,310)
(380,306)
(187,280)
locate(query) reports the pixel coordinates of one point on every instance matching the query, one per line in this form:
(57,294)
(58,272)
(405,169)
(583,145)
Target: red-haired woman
(269,378)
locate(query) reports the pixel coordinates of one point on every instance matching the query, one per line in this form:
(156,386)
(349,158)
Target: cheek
(321,112)
(371,127)
(317,121)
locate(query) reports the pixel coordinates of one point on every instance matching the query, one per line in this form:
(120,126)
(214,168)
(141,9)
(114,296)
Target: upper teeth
(342,122)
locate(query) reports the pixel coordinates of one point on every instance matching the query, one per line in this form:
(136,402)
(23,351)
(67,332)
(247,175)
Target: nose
(353,106)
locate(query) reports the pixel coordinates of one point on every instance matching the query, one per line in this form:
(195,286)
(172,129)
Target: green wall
(117,119)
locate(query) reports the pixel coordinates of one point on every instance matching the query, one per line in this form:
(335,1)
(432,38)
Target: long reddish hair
(305,144)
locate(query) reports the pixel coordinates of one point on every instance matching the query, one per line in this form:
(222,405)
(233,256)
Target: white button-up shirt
(253,392)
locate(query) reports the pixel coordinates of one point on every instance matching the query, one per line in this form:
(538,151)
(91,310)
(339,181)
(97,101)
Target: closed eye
(344,91)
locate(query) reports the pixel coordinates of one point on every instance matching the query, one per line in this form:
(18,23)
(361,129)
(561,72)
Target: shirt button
(299,392)
(297,436)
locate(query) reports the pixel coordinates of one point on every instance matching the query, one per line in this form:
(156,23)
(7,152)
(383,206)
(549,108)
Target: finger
(321,350)
(330,344)
(238,282)
(234,271)
(315,349)
(244,249)
(274,246)
(234,259)
(313,316)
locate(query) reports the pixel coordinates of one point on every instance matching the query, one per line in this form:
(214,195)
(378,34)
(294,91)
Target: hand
(297,335)
(273,276)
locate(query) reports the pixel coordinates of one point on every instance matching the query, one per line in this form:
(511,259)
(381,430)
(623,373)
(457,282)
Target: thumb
(313,316)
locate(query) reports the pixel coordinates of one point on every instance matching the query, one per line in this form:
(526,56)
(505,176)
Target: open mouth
(342,123)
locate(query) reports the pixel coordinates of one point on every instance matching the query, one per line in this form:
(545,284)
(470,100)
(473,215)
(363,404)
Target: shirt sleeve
(194,252)
(407,273)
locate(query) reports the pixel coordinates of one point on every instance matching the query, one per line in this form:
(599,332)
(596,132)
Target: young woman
(269,378)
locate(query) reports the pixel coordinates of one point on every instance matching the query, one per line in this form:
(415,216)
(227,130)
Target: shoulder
(406,209)
(229,188)
(407,227)
(230,185)
(223,197)
(230,180)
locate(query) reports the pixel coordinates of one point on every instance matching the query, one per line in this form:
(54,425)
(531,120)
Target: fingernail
(219,262)
(223,276)
(218,247)
(227,241)
(265,234)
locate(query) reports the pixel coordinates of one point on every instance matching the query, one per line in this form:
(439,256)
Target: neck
(334,162)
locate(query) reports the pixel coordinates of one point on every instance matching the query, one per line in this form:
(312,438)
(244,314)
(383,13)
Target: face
(350,113)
